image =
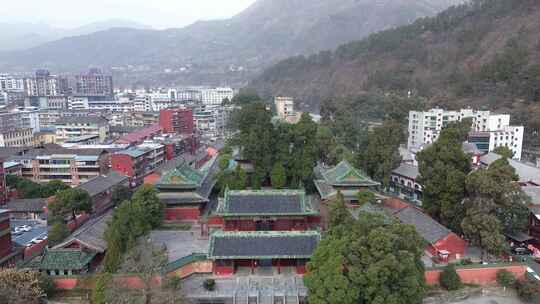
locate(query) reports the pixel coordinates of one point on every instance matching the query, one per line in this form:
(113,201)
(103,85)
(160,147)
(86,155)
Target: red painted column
(279,266)
(252,267)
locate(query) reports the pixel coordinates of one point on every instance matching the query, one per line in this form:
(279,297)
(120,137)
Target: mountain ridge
(231,50)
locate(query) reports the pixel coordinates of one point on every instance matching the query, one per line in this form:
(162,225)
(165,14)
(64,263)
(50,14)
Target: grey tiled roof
(427,227)
(407,170)
(103,183)
(258,244)
(264,202)
(91,234)
(533,192)
(526,172)
(27,205)
(81,120)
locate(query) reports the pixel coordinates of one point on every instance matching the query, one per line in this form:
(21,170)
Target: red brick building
(8,254)
(3,188)
(137,162)
(139,136)
(179,121)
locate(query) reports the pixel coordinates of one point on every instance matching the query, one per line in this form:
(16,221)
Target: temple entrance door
(264,225)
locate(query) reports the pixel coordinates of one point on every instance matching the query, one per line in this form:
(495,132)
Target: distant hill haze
(229,50)
(17,36)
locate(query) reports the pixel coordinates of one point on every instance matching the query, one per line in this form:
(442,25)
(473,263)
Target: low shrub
(449,279)
(209,284)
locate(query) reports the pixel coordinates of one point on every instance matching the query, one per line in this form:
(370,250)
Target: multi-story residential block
(216,96)
(425,127)
(122,105)
(7,255)
(45,84)
(75,103)
(47,102)
(69,127)
(285,107)
(21,118)
(179,120)
(189,95)
(71,166)
(137,162)
(16,138)
(44,137)
(10,83)
(94,84)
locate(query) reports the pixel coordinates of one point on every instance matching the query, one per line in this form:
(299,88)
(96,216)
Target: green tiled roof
(62,259)
(344,174)
(264,203)
(183,177)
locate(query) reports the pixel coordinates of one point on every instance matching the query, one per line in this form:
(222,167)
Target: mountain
(16,36)
(225,50)
(485,54)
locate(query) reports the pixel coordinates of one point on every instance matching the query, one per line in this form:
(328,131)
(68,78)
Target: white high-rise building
(10,83)
(216,96)
(488,131)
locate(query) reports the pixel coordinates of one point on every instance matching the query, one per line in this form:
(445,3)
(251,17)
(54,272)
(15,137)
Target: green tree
(278,176)
(120,194)
(25,187)
(373,261)
(366,196)
(58,231)
(340,218)
(504,152)
(70,202)
(304,151)
(495,204)
(146,197)
(443,168)
(325,142)
(505,278)
(52,187)
(129,222)
(99,292)
(449,278)
(381,155)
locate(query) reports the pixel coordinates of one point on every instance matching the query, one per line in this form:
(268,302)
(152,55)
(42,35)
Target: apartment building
(69,127)
(45,84)
(179,120)
(71,166)
(9,83)
(488,131)
(94,84)
(215,96)
(21,118)
(16,138)
(137,162)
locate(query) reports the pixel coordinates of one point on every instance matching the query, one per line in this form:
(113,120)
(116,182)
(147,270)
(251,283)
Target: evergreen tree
(449,278)
(382,152)
(372,261)
(443,169)
(71,201)
(278,176)
(58,231)
(99,292)
(146,197)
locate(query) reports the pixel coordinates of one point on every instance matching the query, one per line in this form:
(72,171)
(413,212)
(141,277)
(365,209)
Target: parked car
(521,251)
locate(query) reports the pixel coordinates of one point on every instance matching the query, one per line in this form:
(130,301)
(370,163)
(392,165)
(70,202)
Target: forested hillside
(485,54)
(224,51)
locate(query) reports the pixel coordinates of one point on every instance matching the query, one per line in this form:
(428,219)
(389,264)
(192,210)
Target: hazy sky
(155,13)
